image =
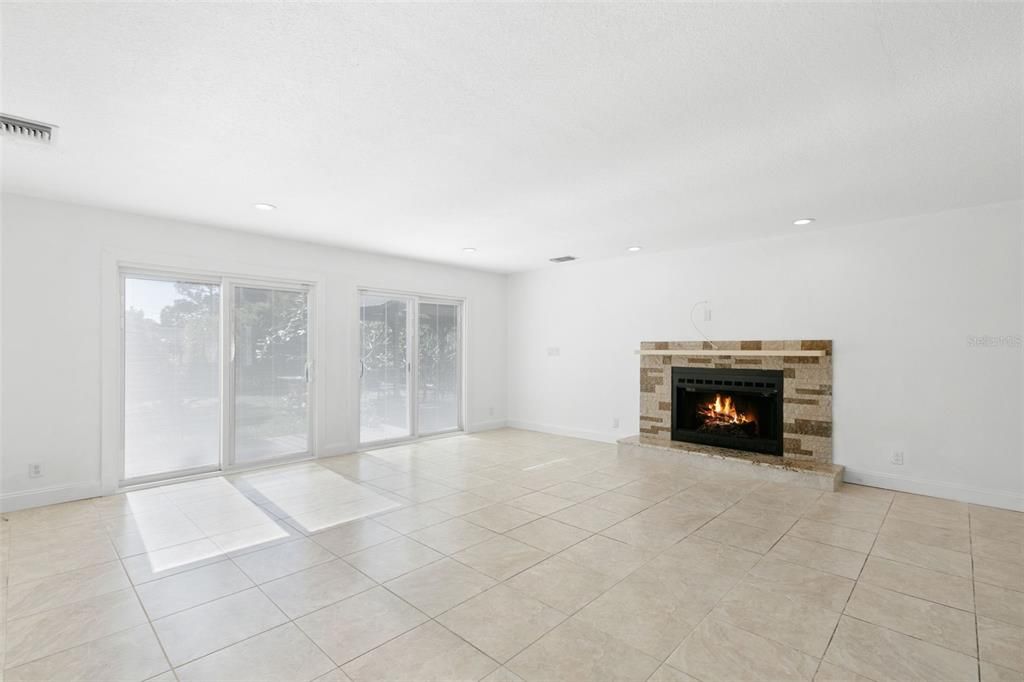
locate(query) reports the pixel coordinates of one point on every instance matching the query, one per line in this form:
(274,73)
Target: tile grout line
(855,583)
(356,568)
(501,664)
(889,629)
(664,661)
(120,559)
(176,504)
(138,600)
(6,567)
(255,585)
(385,587)
(549,555)
(503,583)
(290,620)
(974,588)
(69,648)
(725,593)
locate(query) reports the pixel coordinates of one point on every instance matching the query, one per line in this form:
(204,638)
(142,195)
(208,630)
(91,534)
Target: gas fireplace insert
(729,408)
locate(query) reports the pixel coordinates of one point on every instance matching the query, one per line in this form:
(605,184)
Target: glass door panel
(271,388)
(384,368)
(437,374)
(171,377)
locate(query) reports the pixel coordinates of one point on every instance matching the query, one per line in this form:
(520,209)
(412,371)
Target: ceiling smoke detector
(24,129)
(562,259)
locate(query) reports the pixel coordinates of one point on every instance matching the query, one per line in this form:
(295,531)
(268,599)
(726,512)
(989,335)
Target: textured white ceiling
(524,130)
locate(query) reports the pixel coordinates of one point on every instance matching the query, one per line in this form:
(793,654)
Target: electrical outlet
(707,314)
(490,411)
(554,351)
(35,470)
(615,423)
(897,457)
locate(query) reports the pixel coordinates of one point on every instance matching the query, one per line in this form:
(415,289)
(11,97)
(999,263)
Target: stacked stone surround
(807,396)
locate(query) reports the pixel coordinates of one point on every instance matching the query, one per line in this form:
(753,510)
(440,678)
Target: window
(409,366)
(171,376)
(437,372)
(384,363)
(271,349)
(193,346)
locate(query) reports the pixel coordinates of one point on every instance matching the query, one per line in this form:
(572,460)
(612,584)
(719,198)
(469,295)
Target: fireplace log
(726,427)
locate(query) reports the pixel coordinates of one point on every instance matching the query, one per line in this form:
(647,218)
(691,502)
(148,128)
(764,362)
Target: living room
(517,341)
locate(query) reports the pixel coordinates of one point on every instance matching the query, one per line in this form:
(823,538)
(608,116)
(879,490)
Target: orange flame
(723,410)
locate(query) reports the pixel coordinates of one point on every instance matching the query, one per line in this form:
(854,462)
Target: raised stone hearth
(816,475)
(804,439)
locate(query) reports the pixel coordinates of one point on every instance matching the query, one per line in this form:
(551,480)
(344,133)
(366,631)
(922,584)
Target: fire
(723,411)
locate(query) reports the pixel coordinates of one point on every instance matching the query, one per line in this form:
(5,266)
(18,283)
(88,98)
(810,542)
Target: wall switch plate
(707,314)
(490,411)
(35,470)
(897,458)
(615,423)
(554,351)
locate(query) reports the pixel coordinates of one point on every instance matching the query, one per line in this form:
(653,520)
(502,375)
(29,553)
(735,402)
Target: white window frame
(227,282)
(412,362)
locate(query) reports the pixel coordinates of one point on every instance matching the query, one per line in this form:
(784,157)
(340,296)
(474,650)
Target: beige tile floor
(510,555)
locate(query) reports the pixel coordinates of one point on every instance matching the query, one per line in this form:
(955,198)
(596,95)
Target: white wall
(59,264)
(899,298)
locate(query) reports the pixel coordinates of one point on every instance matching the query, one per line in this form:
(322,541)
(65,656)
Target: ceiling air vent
(562,259)
(24,129)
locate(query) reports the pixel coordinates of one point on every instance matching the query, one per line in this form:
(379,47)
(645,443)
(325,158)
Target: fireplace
(730,408)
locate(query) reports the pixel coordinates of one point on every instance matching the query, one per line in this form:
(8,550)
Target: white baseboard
(600,436)
(486,426)
(1003,499)
(44,496)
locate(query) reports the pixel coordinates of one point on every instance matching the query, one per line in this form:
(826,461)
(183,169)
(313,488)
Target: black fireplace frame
(743,381)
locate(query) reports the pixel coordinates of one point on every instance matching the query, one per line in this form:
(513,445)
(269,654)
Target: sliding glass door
(438,379)
(384,362)
(271,352)
(216,373)
(409,366)
(171,376)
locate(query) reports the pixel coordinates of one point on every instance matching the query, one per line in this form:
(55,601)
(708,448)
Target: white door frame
(227,284)
(412,362)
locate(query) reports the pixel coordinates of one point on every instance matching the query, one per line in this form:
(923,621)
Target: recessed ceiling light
(469,249)
(264,207)
(634,249)
(803,221)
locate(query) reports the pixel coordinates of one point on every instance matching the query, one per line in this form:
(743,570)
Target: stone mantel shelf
(741,353)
